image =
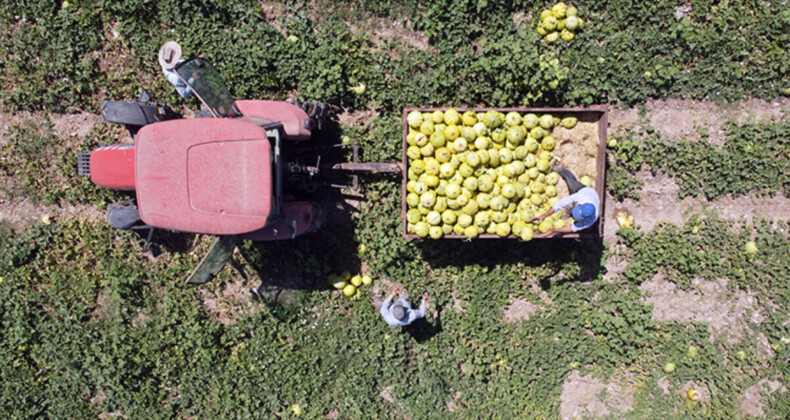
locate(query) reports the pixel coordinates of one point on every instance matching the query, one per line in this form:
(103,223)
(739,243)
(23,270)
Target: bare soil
(520,18)
(751,404)
(664,385)
(459,306)
(72,130)
(383,32)
(105,306)
(728,314)
(702,391)
(380,30)
(585,396)
(519,310)
(274,11)
(358,118)
(452,405)
(614,267)
(23,214)
(677,119)
(660,203)
(98,397)
(386,394)
(231,301)
(113,415)
(73,127)
(384,286)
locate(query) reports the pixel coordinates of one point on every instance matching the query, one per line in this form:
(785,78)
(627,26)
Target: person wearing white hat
(169,58)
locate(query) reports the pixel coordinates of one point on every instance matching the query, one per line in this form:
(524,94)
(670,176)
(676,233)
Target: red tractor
(246,169)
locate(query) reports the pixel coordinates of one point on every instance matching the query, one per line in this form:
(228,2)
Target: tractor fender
(296,122)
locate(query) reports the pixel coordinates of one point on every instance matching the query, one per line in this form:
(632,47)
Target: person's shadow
(421,330)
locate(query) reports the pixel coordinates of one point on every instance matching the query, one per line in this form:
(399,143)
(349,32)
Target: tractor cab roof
(204,175)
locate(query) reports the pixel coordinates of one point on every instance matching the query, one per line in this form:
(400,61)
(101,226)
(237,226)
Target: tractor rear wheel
(316,111)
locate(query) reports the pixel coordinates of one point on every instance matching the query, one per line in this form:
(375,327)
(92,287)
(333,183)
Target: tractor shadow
(282,271)
(170,242)
(553,255)
(164,242)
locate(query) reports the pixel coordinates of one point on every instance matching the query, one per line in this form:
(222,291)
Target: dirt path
(23,214)
(660,203)
(72,129)
(586,397)
(729,314)
(676,119)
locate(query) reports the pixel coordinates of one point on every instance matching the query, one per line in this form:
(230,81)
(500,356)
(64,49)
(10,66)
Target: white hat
(398,311)
(169,55)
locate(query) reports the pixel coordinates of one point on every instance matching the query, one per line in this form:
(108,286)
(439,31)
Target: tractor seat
(205,175)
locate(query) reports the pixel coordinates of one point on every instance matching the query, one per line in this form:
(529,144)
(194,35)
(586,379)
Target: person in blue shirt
(400,313)
(584,201)
(169,58)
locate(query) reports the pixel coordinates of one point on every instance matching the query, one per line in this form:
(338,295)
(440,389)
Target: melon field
(685,314)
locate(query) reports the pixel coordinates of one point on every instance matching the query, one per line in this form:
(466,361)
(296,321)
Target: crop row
(478,53)
(91,326)
(754,159)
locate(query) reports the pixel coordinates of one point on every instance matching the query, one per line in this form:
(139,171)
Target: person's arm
(565,202)
(554,231)
(544,215)
(419,313)
(385,306)
(423,304)
(560,205)
(183,90)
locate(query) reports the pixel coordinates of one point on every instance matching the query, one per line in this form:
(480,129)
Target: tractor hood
(204,175)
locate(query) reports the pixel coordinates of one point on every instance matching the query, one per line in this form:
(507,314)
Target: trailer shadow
(552,254)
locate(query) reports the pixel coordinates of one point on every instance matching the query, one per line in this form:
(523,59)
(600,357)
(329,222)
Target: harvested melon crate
(485,172)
